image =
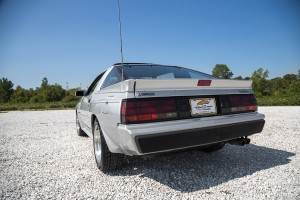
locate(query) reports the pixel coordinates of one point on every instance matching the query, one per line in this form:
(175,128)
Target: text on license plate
(203,106)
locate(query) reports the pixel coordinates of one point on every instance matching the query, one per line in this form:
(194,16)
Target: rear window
(161,72)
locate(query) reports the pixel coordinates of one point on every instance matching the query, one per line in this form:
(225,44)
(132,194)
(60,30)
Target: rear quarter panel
(107,109)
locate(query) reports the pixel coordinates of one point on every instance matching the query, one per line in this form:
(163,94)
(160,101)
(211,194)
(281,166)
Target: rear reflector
(139,110)
(204,82)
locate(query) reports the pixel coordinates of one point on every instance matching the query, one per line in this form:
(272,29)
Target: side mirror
(80,93)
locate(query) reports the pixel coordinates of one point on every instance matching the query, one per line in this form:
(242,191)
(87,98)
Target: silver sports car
(143,109)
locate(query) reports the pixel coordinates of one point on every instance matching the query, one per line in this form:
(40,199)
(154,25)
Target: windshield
(161,72)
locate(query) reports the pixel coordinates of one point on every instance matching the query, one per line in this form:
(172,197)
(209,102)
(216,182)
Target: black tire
(80,132)
(105,160)
(213,148)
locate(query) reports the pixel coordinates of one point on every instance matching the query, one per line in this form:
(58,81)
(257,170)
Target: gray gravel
(42,157)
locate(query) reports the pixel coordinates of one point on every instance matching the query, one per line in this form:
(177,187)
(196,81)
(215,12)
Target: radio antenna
(120,27)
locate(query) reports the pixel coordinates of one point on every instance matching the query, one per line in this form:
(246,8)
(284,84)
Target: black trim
(94,83)
(196,137)
(134,86)
(118,64)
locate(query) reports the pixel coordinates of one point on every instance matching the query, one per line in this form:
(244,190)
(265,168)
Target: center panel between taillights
(184,108)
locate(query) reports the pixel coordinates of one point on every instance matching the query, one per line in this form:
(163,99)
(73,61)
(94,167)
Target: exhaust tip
(240,141)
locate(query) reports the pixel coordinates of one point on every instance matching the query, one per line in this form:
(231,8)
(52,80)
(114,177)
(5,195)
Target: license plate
(203,106)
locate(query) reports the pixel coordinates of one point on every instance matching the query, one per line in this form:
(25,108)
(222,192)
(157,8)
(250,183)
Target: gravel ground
(42,157)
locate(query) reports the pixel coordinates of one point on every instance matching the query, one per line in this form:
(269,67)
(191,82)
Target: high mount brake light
(137,110)
(204,82)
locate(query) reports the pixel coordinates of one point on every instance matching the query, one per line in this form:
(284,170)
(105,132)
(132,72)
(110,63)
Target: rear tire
(105,160)
(80,132)
(213,148)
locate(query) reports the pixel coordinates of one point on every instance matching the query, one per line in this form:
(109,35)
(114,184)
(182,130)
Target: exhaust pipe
(240,141)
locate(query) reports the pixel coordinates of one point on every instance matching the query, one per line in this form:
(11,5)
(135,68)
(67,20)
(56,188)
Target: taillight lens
(238,103)
(138,110)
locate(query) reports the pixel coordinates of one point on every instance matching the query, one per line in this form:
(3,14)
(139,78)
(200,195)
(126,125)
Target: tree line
(288,85)
(43,94)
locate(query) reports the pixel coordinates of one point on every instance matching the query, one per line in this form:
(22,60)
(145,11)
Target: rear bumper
(140,139)
(197,137)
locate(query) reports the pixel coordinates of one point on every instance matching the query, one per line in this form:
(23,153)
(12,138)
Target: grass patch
(293,100)
(61,105)
(38,106)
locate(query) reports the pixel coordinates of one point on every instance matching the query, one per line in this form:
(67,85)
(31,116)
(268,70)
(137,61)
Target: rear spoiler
(175,87)
(175,84)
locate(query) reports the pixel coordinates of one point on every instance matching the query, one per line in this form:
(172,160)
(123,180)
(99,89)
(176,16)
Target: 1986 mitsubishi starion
(144,109)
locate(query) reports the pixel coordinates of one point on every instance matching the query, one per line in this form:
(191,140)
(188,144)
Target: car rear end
(174,114)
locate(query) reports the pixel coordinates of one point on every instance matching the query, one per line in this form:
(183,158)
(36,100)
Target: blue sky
(74,40)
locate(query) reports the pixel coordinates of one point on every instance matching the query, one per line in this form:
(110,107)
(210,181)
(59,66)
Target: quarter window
(111,79)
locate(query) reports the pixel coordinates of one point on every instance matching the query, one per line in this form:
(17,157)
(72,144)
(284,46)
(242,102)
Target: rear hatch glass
(162,72)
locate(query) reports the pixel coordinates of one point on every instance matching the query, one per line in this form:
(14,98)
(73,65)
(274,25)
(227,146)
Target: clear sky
(74,40)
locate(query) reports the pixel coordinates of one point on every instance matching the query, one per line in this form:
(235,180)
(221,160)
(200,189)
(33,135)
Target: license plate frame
(203,106)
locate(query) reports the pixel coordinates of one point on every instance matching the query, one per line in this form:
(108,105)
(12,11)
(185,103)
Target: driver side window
(94,84)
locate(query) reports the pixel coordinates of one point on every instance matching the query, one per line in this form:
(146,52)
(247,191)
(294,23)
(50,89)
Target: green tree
(222,71)
(277,86)
(294,87)
(290,77)
(20,95)
(260,73)
(36,99)
(53,93)
(47,93)
(70,95)
(238,78)
(44,84)
(6,90)
(261,85)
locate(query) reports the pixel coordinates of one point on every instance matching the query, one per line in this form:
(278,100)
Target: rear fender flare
(111,144)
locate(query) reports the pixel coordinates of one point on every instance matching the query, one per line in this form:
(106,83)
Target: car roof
(139,64)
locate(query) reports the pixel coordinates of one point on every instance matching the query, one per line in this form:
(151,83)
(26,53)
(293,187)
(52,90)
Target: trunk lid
(189,87)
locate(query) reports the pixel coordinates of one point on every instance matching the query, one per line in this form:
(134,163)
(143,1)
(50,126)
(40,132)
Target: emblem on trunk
(142,94)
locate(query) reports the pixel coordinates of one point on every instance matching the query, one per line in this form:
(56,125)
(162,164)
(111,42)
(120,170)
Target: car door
(84,110)
(85,107)
(110,101)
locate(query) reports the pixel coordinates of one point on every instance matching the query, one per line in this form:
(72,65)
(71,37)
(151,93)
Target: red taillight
(252,107)
(239,103)
(204,82)
(138,110)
